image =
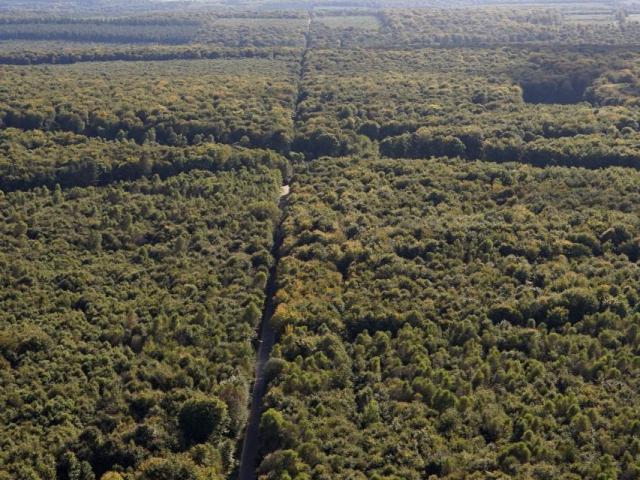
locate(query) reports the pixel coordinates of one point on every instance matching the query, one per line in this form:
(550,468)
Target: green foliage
(284,465)
(168,469)
(252,314)
(136,329)
(171,102)
(111,476)
(201,418)
(446,317)
(35,159)
(496,104)
(477,344)
(273,429)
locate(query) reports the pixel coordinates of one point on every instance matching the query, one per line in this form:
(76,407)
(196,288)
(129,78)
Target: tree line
(65,55)
(74,161)
(237,100)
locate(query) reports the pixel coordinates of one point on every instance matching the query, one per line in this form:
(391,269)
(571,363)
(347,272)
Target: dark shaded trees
(200,419)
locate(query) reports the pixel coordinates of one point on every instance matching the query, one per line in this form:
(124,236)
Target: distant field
(338,8)
(149,32)
(563,5)
(590,18)
(259,22)
(367,22)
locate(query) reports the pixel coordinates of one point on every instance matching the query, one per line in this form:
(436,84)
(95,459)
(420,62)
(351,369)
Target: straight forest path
(250,448)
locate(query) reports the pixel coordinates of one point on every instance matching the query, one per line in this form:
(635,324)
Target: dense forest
(293,240)
(245,101)
(38,159)
(127,318)
(540,106)
(460,320)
